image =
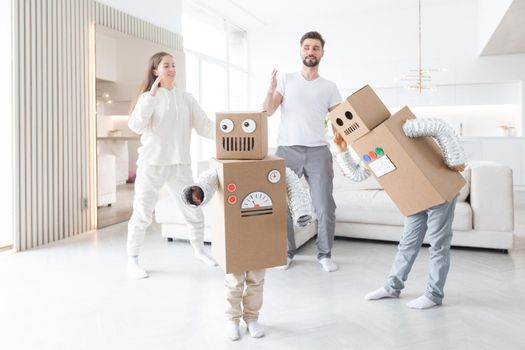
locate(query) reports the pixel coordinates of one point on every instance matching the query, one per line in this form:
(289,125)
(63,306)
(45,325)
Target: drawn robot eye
(226,125)
(248,126)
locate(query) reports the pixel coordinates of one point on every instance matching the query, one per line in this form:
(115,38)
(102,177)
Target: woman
(164,115)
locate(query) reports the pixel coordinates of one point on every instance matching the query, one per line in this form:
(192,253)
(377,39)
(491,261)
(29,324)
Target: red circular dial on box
(232,199)
(232,187)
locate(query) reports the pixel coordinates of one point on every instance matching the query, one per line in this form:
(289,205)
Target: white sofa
(484,215)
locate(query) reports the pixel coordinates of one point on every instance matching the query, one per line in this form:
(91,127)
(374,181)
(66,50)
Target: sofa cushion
(376,207)
(168,212)
(366,206)
(491,197)
(462,217)
(465,190)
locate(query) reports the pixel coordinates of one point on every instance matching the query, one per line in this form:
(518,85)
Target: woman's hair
(149,77)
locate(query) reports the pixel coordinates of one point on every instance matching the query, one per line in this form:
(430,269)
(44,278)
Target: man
(305,99)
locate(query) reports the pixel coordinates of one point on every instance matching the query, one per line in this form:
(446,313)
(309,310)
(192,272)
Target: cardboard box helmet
(241,135)
(411,171)
(359,114)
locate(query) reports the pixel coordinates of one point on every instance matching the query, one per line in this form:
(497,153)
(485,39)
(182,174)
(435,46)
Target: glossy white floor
(119,211)
(75,295)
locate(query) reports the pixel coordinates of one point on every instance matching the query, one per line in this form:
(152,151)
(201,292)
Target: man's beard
(310,61)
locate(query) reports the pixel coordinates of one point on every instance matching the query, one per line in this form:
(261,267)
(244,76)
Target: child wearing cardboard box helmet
(434,222)
(257,223)
(164,116)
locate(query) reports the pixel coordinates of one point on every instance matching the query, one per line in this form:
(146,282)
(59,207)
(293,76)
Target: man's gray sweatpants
(315,163)
(436,223)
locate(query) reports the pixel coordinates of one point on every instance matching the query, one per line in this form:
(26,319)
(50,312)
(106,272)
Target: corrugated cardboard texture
(239,144)
(421,179)
(254,237)
(358,114)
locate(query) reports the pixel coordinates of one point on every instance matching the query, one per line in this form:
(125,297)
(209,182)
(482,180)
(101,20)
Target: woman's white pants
(149,181)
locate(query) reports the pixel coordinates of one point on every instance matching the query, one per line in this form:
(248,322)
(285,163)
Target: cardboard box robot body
(249,208)
(411,171)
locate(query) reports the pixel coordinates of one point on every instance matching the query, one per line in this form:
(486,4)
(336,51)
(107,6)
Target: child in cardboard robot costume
(411,170)
(251,191)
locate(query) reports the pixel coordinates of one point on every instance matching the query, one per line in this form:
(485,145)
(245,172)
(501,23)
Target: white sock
(231,331)
(134,270)
(287,266)
(421,303)
(379,294)
(203,256)
(328,265)
(255,329)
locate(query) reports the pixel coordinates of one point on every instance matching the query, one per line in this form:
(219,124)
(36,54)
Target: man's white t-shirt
(304,108)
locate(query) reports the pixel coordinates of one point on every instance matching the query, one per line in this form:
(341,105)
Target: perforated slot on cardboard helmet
(351,128)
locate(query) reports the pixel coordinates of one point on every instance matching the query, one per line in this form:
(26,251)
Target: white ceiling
(509,36)
(250,14)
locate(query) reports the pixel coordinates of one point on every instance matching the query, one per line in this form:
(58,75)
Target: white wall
(376,47)
(6,131)
(105,57)
(164,13)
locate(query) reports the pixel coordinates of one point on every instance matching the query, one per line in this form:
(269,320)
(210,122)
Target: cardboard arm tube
(298,199)
(444,135)
(353,170)
(208,182)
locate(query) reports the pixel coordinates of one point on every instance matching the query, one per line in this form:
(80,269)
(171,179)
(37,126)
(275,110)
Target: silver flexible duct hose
(443,133)
(298,200)
(208,182)
(353,170)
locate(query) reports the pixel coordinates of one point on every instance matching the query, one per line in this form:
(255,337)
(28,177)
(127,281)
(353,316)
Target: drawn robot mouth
(351,129)
(238,144)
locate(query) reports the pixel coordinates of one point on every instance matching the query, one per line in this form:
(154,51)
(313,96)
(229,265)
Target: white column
(522,102)
(6,131)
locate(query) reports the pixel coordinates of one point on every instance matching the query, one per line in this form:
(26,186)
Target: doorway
(120,63)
